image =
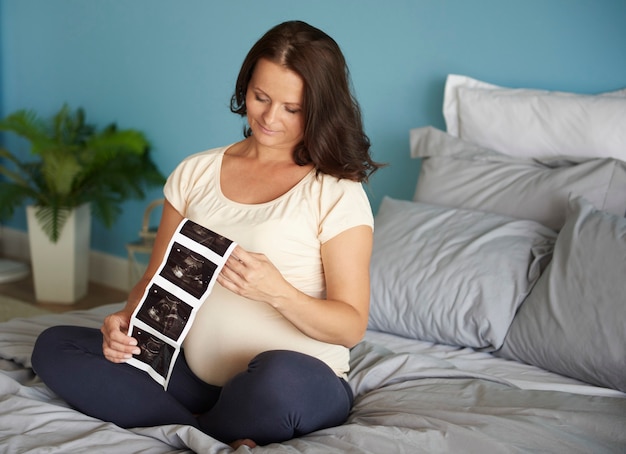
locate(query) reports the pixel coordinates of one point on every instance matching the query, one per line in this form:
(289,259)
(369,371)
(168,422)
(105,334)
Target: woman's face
(274,103)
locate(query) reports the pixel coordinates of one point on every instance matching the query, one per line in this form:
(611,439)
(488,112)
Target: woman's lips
(266,130)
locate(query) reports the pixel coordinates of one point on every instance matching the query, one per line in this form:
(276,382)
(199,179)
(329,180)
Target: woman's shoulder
(194,168)
(343,203)
(206,155)
(332,185)
(341,193)
(199,163)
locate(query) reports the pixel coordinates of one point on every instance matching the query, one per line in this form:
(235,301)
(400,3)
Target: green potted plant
(75,170)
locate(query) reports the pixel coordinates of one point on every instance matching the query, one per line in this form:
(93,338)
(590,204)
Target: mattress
(410,396)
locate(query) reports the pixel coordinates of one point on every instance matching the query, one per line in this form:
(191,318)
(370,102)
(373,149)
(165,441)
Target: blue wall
(168,67)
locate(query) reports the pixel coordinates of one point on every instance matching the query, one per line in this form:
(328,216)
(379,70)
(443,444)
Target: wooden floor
(97,295)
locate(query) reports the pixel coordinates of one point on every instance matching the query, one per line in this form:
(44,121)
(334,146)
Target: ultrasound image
(188,270)
(164,312)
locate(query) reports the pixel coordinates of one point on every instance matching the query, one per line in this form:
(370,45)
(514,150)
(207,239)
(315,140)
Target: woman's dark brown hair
(334,140)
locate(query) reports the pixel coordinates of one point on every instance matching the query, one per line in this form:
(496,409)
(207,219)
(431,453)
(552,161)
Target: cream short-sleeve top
(229,330)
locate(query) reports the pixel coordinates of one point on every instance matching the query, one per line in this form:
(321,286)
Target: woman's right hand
(117,346)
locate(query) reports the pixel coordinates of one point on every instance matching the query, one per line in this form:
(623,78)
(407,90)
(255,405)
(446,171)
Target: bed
(498,309)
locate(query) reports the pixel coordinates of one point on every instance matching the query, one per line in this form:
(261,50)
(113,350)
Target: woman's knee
(46,344)
(295,383)
(57,341)
(287,363)
(282,394)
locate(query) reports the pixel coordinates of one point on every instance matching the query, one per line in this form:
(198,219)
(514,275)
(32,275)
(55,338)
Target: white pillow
(452,276)
(536,123)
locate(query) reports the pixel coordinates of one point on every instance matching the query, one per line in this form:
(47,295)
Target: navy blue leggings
(282,395)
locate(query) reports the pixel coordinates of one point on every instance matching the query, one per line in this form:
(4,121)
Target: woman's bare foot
(243,442)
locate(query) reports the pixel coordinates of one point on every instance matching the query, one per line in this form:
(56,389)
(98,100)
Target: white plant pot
(61,269)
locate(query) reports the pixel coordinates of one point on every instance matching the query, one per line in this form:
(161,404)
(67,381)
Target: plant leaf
(52,219)
(76,164)
(26,124)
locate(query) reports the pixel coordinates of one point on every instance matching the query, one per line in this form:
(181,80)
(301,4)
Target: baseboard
(109,270)
(104,269)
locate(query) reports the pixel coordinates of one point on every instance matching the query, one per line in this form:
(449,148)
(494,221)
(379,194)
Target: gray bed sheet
(405,403)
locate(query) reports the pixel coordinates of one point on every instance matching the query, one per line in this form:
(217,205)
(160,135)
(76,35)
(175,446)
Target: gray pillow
(460,174)
(574,320)
(452,276)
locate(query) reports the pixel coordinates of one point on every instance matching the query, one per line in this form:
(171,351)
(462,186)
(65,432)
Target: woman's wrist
(289,299)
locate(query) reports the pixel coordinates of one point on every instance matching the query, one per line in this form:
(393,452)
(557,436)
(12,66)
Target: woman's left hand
(338,318)
(253,276)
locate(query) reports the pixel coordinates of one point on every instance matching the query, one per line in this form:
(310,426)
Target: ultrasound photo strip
(165,313)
